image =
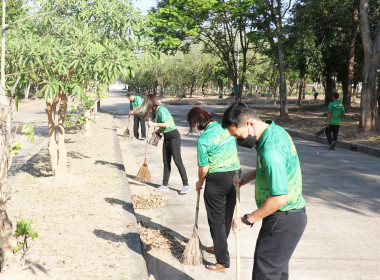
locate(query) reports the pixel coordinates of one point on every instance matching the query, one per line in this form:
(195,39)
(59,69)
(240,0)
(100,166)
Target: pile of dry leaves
(153,201)
(163,240)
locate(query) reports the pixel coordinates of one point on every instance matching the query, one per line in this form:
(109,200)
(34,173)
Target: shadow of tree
(34,266)
(119,166)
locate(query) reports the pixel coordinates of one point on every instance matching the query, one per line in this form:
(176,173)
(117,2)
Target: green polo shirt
(164,115)
(137,101)
(278,168)
(217,149)
(336,107)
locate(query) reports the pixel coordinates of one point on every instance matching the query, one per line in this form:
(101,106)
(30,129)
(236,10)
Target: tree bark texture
(330,88)
(347,86)
(53,148)
(371,47)
(62,152)
(7,240)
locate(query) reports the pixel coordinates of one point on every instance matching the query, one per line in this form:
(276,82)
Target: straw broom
(320,132)
(144,174)
(193,253)
(237,235)
(126,132)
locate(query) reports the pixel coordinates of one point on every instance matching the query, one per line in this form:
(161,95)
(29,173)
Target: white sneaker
(162,189)
(185,189)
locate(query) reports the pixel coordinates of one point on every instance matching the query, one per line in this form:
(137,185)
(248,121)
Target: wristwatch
(245,220)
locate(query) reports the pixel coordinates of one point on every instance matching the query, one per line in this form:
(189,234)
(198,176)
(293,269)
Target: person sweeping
(217,162)
(171,147)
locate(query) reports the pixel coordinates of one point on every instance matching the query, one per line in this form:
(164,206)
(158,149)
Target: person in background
(315,93)
(336,111)
(217,162)
(171,148)
(278,191)
(135,102)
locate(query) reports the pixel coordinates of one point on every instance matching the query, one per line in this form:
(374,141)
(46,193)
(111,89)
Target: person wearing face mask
(278,191)
(217,162)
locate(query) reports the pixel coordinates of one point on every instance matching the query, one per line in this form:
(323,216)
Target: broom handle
(146,144)
(237,235)
(197,208)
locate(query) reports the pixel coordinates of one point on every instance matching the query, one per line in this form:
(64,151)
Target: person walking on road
(171,147)
(278,191)
(336,111)
(135,102)
(217,162)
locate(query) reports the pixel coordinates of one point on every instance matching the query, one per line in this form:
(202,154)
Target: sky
(144,5)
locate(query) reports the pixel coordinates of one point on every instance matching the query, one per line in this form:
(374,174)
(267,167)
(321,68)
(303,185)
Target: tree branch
(31,16)
(27,72)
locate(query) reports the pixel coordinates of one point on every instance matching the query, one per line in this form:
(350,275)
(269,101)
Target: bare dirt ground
(309,117)
(80,220)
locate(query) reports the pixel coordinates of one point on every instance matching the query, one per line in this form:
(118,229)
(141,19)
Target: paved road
(342,191)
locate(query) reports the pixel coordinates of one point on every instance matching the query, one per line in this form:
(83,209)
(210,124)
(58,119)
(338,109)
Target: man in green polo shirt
(278,191)
(336,111)
(135,102)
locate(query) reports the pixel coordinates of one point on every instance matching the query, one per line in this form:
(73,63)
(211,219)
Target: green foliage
(28,130)
(15,148)
(24,230)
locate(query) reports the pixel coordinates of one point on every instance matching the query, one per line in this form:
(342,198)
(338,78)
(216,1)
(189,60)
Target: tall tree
(268,16)
(219,25)
(371,45)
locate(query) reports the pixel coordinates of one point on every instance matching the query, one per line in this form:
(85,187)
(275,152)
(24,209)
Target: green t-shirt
(137,101)
(217,149)
(278,168)
(164,115)
(336,107)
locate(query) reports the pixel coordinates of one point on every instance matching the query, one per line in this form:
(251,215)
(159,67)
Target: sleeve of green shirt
(330,106)
(162,115)
(274,165)
(202,155)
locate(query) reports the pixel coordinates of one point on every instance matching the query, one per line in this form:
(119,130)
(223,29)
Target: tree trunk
(27,90)
(347,87)
(7,241)
(300,90)
(330,88)
(52,148)
(368,107)
(62,152)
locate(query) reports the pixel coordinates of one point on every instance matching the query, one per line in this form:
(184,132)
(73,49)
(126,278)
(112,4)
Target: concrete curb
(341,144)
(137,268)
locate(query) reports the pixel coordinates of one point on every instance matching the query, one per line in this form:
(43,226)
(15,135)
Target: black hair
(199,118)
(236,114)
(336,95)
(129,94)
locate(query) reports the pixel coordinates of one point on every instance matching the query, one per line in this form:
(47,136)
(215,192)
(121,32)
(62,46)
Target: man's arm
(328,118)
(202,172)
(271,205)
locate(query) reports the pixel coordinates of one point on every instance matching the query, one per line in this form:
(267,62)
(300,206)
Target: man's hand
(198,186)
(150,123)
(327,125)
(242,181)
(237,225)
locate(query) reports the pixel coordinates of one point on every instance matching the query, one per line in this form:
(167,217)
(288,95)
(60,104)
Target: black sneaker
(332,145)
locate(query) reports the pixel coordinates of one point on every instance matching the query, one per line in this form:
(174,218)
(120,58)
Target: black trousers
(277,240)
(171,148)
(220,200)
(136,123)
(334,130)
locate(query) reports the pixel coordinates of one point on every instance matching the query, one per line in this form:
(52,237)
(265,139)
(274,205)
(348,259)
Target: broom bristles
(126,132)
(144,174)
(320,132)
(193,253)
